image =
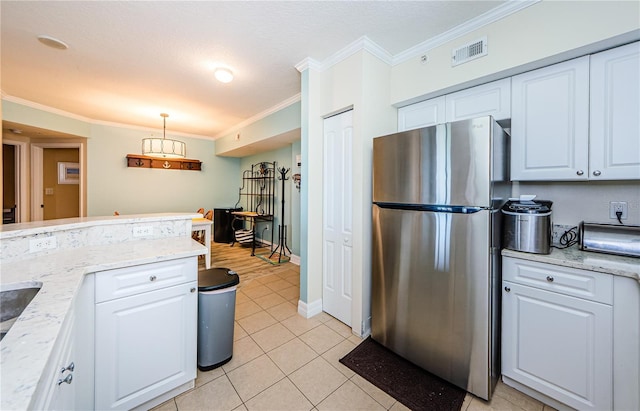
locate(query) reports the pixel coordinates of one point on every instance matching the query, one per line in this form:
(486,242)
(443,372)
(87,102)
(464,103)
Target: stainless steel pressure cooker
(527,225)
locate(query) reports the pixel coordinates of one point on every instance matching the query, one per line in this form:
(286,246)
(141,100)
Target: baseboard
(310,309)
(294,259)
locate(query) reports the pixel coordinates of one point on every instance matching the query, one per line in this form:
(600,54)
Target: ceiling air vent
(469,51)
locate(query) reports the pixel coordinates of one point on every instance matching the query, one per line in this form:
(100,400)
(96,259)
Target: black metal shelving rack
(256,197)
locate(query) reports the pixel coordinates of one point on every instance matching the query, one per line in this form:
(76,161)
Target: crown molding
(283,104)
(308,63)
(498,13)
(52,110)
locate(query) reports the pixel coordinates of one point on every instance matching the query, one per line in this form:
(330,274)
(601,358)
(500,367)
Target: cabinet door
(614,142)
(423,114)
(550,122)
(491,99)
(558,345)
(145,345)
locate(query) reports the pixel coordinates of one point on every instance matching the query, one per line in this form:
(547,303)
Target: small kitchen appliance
(610,239)
(527,225)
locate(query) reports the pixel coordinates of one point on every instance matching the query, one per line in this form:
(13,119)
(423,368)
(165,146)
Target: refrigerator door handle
(432,208)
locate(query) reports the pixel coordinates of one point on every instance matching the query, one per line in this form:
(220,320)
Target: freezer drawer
(434,293)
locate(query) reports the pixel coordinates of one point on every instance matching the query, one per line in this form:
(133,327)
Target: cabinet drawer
(569,281)
(123,282)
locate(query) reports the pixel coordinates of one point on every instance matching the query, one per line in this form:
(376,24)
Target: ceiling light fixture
(163,147)
(224,75)
(52,42)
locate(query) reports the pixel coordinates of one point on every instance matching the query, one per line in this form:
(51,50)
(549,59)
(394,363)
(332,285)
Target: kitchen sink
(12,304)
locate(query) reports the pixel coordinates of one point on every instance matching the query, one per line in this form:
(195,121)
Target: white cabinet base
(166,396)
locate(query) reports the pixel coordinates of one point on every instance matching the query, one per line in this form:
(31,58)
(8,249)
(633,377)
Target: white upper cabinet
(423,114)
(491,99)
(615,114)
(550,122)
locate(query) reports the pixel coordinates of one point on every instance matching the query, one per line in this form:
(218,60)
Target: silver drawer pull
(193,289)
(507,289)
(69,367)
(549,278)
(597,173)
(579,172)
(152,278)
(67,379)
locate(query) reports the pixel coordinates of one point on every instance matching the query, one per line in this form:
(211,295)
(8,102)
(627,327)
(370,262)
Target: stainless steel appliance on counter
(527,226)
(437,194)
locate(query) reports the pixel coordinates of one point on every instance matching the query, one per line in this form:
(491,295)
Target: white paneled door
(337,291)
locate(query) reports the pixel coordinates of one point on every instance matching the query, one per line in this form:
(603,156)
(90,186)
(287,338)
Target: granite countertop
(26,348)
(584,260)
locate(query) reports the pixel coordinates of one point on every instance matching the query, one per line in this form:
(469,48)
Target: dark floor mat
(404,381)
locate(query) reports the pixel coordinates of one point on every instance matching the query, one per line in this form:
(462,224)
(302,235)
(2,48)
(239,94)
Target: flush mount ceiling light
(224,75)
(53,42)
(163,147)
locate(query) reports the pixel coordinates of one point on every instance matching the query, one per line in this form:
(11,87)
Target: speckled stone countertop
(585,260)
(27,347)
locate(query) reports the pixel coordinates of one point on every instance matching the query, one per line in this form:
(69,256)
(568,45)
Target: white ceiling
(128,61)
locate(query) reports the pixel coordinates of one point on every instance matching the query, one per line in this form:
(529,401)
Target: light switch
(48,191)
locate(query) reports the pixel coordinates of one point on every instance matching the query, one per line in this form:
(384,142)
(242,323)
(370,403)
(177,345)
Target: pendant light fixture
(163,147)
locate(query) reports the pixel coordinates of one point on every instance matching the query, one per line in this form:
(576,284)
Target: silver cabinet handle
(152,278)
(597,173)
(69,367)
(507,289)
(66,379)
(549,278)
(579,172)
(193,289)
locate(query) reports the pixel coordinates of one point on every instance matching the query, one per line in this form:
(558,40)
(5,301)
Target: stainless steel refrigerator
(437,194)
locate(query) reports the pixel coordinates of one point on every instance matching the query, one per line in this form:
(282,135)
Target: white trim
(310,309)
(364,43)
(37,156)
(308,63)
(22,175)
(283,104)
(493,15)
(294,259)
(53,110)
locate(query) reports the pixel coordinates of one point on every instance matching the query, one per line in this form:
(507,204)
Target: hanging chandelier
(163,147)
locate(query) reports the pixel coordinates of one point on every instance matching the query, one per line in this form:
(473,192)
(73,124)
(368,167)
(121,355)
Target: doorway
(9,184)
(61,181)
(337,242)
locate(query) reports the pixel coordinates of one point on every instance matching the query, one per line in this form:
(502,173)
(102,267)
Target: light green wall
(22,114)
(280,122)
(283,158)
(114,186)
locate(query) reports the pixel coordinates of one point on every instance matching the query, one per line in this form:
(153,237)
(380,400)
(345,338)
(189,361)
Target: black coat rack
(282,229)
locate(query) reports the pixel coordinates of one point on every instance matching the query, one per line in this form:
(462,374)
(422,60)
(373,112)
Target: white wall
(362,82)
(546,32)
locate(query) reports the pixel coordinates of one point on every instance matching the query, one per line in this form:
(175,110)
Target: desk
(253,217)
(199,224)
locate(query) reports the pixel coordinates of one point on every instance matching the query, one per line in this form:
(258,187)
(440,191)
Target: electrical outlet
(557,231)
(143,231)
(618,206)
(44,243)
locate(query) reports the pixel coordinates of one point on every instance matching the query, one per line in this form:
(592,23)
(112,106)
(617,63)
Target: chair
(198,235)
(209,215)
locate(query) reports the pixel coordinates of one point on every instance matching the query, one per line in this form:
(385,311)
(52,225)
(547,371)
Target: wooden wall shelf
(138,161)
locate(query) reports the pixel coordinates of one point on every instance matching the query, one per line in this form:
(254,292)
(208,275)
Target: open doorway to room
(50,170)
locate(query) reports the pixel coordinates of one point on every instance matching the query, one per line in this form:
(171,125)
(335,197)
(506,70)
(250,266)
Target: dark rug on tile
(401,379)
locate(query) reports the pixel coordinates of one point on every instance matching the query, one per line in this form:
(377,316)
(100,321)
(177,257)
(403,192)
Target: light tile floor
(282,361)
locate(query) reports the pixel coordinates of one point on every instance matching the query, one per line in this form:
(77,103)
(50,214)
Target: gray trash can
(216,312)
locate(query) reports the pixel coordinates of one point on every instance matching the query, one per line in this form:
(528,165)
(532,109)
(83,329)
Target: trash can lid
(217,279)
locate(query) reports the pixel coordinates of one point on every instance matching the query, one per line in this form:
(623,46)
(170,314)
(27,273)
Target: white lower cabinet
(145,339)
(557,333)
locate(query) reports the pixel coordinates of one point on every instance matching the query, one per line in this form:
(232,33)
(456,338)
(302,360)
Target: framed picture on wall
(68,173)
